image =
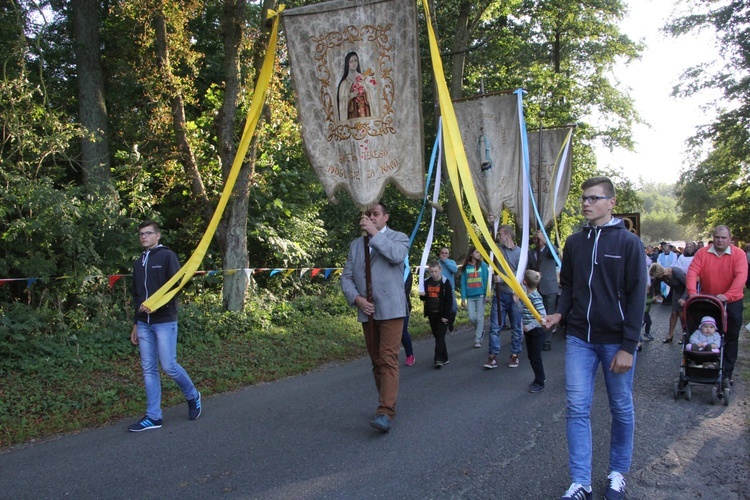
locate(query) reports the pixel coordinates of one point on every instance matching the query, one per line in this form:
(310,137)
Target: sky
(660,145)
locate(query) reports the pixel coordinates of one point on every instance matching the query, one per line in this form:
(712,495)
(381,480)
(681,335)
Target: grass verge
(92,377)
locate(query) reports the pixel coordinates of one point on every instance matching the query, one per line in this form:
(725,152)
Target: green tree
(92,108)
(661,215)
(559,51)
(714,188)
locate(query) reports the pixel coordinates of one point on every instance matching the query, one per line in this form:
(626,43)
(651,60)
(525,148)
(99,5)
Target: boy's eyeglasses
(594,199)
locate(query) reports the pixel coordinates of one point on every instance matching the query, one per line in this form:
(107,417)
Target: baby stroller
(697,367)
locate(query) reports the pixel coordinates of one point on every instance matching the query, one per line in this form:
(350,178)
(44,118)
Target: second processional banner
(355,69)
(551,182)
(491,135)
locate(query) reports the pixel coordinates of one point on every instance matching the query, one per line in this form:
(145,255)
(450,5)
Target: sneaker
(477,345)
(145,424)
(577,492)
(615,487)
(534,388)
(381,422)
(409,360)
(491,362)
(438,365)
(513,363)
(649,337)
(194,407)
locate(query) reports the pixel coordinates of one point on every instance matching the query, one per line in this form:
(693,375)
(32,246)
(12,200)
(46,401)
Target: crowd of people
(600,295)
(603,270)
(718,268)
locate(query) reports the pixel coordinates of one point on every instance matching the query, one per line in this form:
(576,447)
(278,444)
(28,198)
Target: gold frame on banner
(632,222)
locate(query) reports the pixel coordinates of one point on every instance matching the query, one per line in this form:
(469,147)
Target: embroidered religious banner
(355,69)
(632,222)
(551,190)
(491,135)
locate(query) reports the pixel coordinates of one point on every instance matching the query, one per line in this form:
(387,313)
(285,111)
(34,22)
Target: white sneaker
(577,492)
(615,487)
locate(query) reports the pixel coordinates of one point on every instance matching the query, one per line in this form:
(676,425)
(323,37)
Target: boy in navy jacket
(438,304)
(602,301)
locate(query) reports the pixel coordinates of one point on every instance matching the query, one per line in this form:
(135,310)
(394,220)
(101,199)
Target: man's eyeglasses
(594,199)
(146,233)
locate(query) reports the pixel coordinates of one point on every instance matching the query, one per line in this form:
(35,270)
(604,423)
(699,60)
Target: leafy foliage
(661,215)
(714,188)
(54,381)
(59,332)
(561,53)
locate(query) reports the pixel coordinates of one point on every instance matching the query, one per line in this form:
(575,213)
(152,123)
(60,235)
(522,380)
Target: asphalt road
(461,432)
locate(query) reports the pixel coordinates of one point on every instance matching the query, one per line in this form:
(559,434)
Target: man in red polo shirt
(721,270)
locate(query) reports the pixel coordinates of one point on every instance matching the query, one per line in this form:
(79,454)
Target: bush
(69,364)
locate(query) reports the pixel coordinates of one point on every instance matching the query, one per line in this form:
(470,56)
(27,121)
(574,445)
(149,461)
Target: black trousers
(732,336)
(534,343)
(438,330)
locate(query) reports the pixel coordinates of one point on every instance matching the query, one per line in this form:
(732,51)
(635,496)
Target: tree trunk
(92,108)
(232,234)
(459,235)
(187,157)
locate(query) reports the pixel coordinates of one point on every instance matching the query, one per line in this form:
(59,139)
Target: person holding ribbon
(155,332)
(602,281)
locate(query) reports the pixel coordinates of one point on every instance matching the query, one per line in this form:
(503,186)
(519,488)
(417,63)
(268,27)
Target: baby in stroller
(705,338)
(702,357)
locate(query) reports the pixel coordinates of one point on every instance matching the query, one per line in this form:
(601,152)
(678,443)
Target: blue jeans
(475,308)
(515,314)
(581,362)
(406,338)
(158,344)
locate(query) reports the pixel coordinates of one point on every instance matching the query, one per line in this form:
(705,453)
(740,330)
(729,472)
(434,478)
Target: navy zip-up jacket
(445,297)
(154,268)
(603,285)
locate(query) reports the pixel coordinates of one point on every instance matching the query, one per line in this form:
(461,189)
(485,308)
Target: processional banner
(550,183)
(491,136)
(355,69)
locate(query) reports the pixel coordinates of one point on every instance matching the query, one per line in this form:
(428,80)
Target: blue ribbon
(430,171)
(527,167)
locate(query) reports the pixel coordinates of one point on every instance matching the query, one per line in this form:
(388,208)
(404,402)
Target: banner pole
(368,279)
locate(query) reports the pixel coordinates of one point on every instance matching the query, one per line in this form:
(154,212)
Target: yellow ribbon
(275,13)
(169,290)
(457,165)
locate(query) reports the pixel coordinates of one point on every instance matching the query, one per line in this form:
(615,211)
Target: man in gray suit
(382,317)
(541,259)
